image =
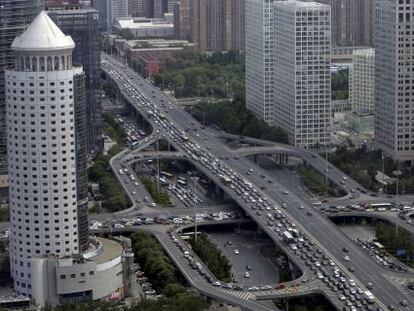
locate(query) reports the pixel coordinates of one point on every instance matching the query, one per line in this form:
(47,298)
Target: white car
(346,258)
(246,274)
(236,252)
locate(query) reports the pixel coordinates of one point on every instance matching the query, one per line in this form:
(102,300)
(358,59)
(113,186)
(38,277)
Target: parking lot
(249,258)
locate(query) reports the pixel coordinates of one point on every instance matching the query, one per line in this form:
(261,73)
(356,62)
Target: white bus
(382,205)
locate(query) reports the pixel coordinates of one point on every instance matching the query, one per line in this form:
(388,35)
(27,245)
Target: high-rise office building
(302,79)
(82,24)
(111,10)
(352,22)
(83,27)
(182,19)
(259,39)
(15,16)
(217,25)
(362,81)
(394,79)
(161,7)
(45,97)
(41,148)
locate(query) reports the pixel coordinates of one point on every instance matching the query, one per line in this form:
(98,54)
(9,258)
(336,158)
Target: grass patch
(160,197)
(209,253)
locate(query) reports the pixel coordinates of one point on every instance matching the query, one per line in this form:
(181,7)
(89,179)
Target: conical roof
(42,34)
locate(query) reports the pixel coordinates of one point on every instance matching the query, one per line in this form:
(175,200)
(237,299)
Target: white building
(259,39)
(111,10)
(142,27)
(302,79)
(394,79)
(41,127)
(362,81)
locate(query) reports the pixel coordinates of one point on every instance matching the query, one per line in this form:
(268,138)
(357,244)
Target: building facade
(259,43)
(41,149)
(15,16)
(394,110)
(46,126)
(217,25)
(181,10)
(302,79)
(83,26)
(362,81)
(111,10)
(352,22)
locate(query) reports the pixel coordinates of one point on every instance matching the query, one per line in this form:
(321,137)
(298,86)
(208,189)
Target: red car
(280,286)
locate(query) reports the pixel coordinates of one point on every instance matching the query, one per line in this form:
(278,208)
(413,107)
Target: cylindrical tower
(15,16)
(41,149)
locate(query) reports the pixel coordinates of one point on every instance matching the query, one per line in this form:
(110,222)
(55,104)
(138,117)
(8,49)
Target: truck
(369,296)
(287,237)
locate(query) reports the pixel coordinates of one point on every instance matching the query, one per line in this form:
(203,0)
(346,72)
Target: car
(248,267)
(246,274)
(286,192)
(229,242)
(404,303)
(345,250)
(351,269)
(369,285)
(346,258)
(134,192)
(236,252)
(309,213)
(216,283)
(280,286)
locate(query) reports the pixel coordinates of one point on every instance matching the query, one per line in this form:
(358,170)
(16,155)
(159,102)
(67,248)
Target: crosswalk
(241,294)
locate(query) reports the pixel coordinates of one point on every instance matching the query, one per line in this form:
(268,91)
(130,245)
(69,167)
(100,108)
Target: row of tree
(208,252)
(101,173)
(160,197)
(154,262)
(316,183)
(306,303)
(363,165)
(340,84)
(114,130)
(190,74)
(233,117)
(183,301)
(398,242)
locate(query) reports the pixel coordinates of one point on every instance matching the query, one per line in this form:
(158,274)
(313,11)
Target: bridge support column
(255,158)
(259,233)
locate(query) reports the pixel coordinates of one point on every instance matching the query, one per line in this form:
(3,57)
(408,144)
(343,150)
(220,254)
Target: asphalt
(263,271)
(326,235)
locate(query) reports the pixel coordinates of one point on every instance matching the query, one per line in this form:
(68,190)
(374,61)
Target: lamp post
(193,181)
(397,173)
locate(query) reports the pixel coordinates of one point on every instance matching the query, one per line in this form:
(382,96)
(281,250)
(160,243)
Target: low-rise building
(142,27)
(97,274)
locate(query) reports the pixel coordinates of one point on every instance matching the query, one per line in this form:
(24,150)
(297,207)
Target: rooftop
(111,250)
(42,35)
(140,22)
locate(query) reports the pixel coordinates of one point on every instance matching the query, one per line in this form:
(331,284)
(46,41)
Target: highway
(318,229)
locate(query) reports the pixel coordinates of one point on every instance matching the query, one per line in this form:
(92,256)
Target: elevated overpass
(323,233)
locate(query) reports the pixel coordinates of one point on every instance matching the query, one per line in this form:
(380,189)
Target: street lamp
(193,181)
(397,173)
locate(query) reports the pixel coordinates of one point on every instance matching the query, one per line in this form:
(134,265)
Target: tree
(126,34)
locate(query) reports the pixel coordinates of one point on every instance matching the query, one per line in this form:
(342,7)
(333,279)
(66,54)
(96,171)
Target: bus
(381,205)
(166,175)
(182,181)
